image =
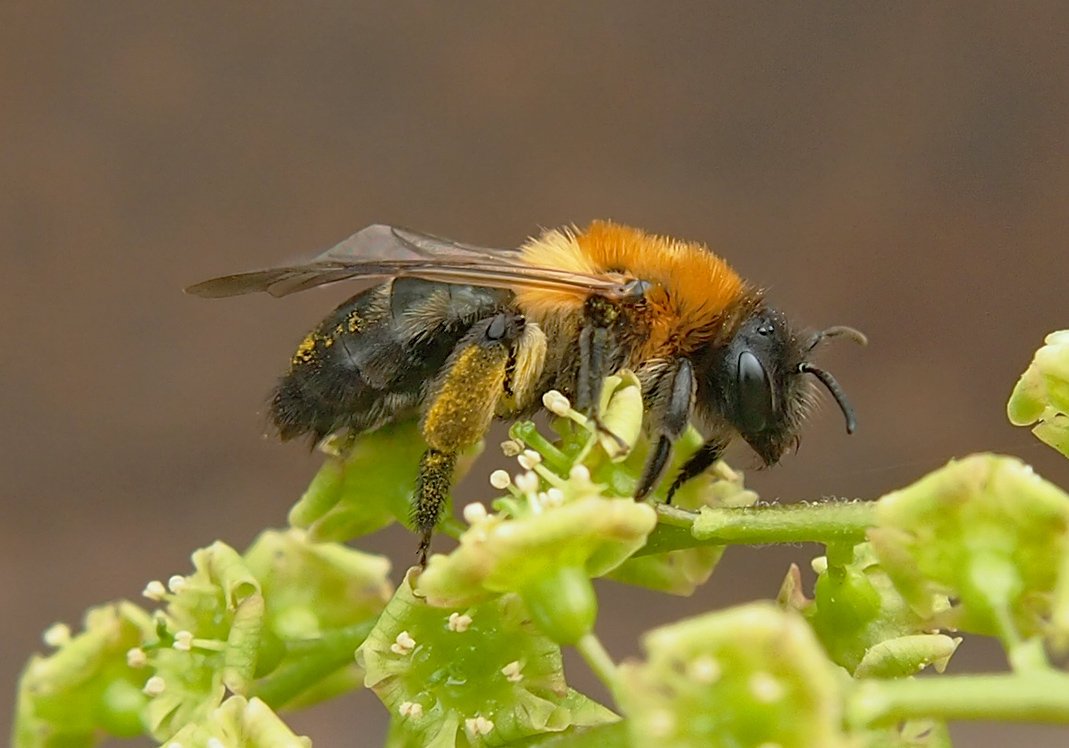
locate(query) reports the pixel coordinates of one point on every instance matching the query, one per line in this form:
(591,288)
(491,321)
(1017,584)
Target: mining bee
(459,335)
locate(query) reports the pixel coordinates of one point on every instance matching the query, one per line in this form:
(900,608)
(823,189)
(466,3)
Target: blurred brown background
(902,169)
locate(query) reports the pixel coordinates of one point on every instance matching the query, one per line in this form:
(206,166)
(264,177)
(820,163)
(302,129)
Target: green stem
(591,650)
(829,522)
(1035,697)
(315,661)
(528,433)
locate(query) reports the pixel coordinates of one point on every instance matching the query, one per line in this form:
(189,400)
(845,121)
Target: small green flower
(986,530)
(315,587)
(863,621)
(282,620)
(548,556)
(480,674)
(1041,395)
(748,676)
(321,599)
(88,687)
(208,641)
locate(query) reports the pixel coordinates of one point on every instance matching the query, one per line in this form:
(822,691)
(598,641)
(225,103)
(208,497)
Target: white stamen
(513,672)
(403,644)
(554,497)
(177,583)
(474,513)
(410,709)
(765,687)
(477,726)
(136,657)
(705,670)
(511,448)
(500,479)
(527,482)
(459,622)
(556,403)
(155,590)
(183,640)
(215,743)
(57,635)
(529,459)
(154,686)
(579,473)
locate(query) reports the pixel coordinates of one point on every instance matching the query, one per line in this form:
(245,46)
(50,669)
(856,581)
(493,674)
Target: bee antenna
(835,332)
(836,391)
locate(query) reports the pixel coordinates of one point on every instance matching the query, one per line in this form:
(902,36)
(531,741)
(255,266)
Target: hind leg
(459,410)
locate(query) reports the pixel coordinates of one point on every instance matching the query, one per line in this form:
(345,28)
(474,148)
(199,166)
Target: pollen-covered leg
(459,410)
(435,479)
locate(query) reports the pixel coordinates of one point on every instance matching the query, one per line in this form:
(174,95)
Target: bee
(459,335)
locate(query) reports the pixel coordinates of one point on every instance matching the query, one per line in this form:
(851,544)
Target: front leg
(697,464)
(671,398)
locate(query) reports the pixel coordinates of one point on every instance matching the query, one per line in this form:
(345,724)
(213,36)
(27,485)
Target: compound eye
(755,394)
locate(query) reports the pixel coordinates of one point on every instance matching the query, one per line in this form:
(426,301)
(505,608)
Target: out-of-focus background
(903,169)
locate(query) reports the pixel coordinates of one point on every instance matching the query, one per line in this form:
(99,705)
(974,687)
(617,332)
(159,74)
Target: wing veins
(380,251)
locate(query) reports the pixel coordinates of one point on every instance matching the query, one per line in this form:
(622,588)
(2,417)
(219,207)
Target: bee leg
(594,342)
(672,397)
(596,346)
(432,491)
(697,464)
(458,412)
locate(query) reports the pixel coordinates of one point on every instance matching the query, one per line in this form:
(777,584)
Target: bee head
(765,388)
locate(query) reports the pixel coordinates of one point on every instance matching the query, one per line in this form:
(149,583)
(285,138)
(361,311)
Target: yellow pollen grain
(306,350)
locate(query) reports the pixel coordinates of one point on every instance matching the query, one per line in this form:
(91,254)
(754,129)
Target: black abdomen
(370,361)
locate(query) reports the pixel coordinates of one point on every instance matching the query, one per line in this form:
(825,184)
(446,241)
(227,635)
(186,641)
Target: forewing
(381,251)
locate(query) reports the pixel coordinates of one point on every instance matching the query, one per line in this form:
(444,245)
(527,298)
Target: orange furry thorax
(694,291)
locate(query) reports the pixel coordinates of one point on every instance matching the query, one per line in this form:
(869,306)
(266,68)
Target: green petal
(1042,393)
(501,555)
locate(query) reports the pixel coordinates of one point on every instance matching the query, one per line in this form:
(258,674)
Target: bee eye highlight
(755,394)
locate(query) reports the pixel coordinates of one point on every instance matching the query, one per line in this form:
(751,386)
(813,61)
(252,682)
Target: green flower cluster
(467,652)
(274,626)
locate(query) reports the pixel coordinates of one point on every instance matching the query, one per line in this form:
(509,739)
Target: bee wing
(381,251)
